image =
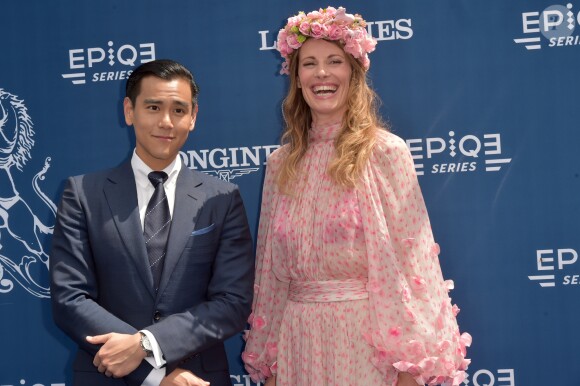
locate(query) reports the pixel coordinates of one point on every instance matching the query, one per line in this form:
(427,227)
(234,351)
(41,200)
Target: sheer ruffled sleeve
(413,324)
(270,294)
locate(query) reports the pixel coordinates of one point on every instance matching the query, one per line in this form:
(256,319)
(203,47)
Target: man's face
(163,116)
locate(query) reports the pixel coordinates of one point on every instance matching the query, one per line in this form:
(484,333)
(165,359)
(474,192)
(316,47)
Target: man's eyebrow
(181,103)
(151,101)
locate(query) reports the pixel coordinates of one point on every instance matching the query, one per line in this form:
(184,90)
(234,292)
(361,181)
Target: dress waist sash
(327,291)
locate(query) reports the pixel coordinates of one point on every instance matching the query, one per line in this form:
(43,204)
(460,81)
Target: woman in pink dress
(348,288)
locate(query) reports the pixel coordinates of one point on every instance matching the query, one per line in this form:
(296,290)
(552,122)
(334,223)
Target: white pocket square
(203,231)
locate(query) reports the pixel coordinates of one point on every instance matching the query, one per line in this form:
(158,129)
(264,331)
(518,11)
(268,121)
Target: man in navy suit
(138,320)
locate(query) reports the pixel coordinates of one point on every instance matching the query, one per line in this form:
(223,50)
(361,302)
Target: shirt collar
(141,171)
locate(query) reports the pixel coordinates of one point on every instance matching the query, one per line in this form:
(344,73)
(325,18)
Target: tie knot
(157,178)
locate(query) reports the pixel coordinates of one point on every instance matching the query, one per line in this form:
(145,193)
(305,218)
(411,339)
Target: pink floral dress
(348,284)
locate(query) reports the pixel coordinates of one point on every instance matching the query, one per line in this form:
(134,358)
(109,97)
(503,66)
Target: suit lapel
(189,199)
(121,194)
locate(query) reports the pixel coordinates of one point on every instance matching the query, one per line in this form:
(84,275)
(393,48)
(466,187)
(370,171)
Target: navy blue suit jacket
(101,281)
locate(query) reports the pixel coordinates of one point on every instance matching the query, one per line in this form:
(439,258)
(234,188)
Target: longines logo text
(556,23)
(380,30)
(103,64)
(228,163)
(552,267)
(242,380)
(457,154)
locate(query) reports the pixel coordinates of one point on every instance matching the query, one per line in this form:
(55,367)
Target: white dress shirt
(145,190)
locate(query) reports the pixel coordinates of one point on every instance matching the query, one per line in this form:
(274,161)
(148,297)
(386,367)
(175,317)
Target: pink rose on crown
(341,15)
(368,45)
(317,30)
(282,44)
(334,32)
(295,20)
(304,28)
(332,24)
(353,47)
(366,61)
(293,42)
(314,15)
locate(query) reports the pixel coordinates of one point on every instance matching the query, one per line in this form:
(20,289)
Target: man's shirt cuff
(157,361)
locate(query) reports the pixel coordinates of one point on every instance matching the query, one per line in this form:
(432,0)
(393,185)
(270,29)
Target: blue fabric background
(445,70)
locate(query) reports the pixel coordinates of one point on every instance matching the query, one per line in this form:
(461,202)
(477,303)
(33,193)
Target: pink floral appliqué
(443,345)
(410,316)
(455,310)
(449,285)
(418,284)
(249,357)
(405,294)
(395,332)
(258,322)
(435,250)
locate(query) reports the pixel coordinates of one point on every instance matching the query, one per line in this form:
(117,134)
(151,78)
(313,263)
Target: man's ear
(128,111)
(194,117)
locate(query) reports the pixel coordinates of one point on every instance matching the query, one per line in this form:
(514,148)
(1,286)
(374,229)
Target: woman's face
(324,74)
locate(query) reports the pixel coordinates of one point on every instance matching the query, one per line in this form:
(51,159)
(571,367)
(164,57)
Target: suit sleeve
(229,293)
(73,281)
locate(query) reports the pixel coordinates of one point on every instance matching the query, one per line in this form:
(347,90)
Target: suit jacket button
(156,316)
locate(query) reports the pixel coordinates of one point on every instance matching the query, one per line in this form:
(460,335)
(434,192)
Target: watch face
(145,343)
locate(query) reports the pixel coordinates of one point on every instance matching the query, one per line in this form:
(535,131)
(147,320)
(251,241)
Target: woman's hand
(271,381)
(405,379)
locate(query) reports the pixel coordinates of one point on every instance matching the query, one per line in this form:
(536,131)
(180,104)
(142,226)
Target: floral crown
(329,24)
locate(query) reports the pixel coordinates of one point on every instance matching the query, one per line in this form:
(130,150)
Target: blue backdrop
(486,94)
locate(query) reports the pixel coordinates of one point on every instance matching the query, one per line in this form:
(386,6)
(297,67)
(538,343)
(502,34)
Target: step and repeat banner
(485,93)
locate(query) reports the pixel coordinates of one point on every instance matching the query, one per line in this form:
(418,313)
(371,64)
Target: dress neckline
(324,133)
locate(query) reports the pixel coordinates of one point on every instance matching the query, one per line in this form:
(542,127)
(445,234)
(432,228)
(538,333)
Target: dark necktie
(156,226)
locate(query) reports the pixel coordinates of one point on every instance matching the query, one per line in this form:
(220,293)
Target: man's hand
(119,355)
(181,377)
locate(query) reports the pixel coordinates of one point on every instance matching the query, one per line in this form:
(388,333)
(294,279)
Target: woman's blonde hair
(353,145)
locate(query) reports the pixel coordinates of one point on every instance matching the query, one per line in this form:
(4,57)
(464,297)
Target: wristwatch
(146,345)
